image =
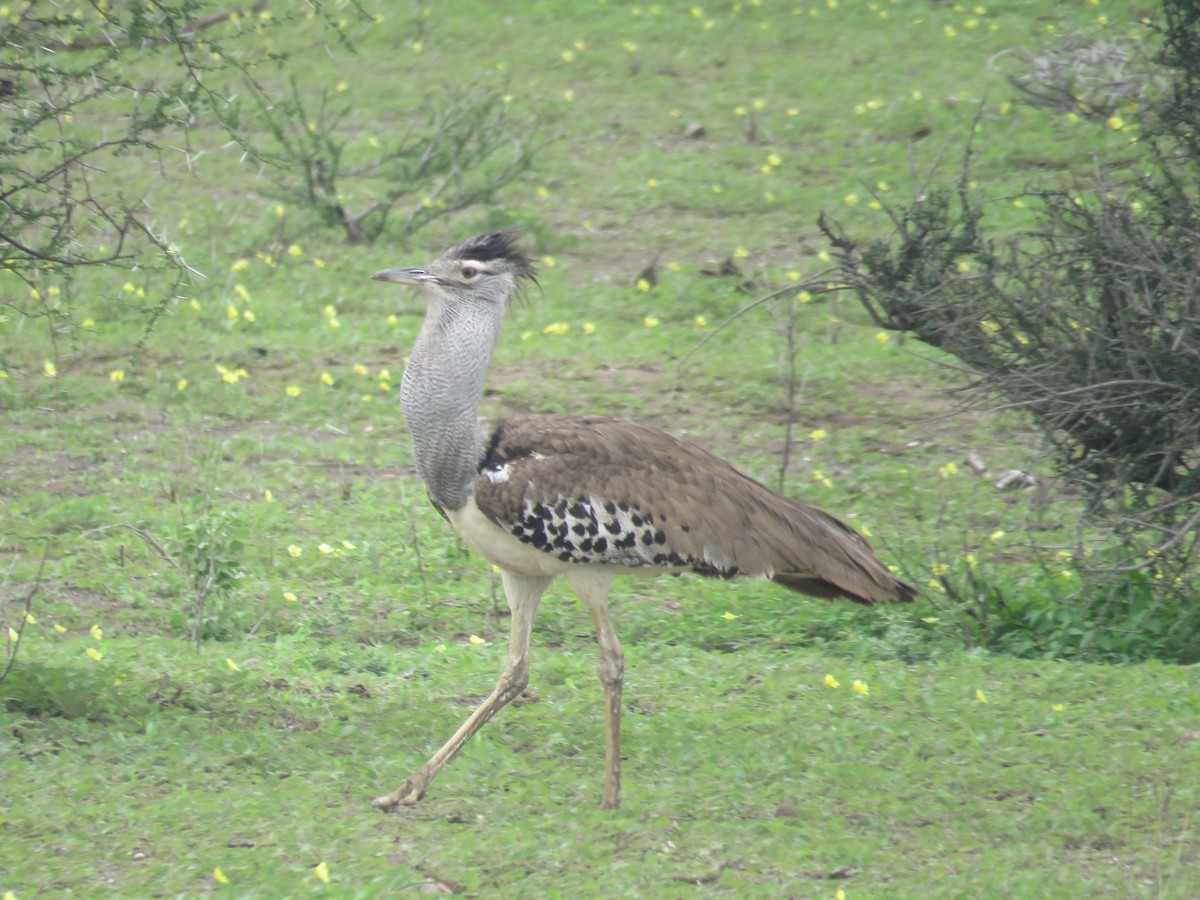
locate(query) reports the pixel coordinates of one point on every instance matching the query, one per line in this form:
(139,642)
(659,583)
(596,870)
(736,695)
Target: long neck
(440,395)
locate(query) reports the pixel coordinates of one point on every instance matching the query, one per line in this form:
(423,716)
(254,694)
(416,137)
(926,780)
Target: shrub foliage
(1090,322)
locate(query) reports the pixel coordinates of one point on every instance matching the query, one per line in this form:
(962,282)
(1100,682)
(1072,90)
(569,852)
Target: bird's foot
(409,795)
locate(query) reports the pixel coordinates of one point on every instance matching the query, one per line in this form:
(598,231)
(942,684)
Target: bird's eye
(469,273)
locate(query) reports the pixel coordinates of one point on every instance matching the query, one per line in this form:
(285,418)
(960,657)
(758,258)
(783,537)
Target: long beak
(408,275)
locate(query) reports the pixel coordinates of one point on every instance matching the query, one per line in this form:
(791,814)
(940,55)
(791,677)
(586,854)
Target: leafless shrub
(63,208)
(1090,322)
(455,151)
(1091,76)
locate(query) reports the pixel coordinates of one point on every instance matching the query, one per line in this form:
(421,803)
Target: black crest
(496,246)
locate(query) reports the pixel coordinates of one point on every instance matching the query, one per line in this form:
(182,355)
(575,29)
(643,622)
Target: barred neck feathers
(440,394)
(468,288)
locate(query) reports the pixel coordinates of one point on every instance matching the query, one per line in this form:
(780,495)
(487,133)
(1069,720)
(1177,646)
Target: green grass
(744,774)
(143,771)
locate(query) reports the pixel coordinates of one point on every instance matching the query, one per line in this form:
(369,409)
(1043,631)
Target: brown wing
(591,490)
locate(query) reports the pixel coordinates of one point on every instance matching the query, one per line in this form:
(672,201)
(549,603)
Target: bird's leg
(523,594)
(592,587)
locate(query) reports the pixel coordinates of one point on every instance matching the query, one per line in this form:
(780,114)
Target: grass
(745,774)
(340,655)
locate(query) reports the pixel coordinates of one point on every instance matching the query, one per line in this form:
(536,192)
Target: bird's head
(489,268)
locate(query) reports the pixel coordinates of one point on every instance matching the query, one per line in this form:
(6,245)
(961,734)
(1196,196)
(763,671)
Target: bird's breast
(499,546)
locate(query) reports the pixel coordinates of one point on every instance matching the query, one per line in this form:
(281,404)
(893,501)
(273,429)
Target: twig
(1182,532)
(816,285)
(157,547)
(187,30)
(216,18)
(16,645)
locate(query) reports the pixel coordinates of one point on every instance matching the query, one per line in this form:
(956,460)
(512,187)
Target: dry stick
(198,25)
(37,583)
(794,392)
(415,542)
(216,18)
(142,534)
(816,284)
(1166,546)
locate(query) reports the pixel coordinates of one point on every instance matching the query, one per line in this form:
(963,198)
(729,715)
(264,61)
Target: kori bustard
(586,498)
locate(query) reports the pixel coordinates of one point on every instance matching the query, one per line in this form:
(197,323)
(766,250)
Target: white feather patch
(498,476)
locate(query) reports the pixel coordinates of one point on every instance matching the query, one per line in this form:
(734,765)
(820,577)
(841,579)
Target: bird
(586,498)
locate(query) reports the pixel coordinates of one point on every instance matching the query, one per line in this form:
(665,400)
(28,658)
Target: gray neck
(440,395)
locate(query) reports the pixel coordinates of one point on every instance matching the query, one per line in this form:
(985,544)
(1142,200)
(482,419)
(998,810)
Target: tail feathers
(891,590)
